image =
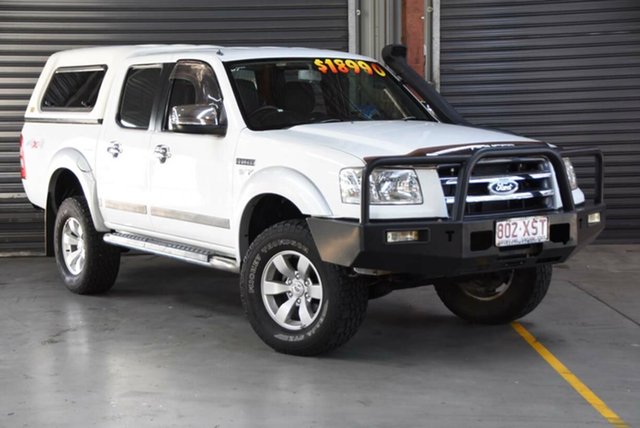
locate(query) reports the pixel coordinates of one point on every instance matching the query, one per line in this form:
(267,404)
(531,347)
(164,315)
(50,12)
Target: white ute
(324,178)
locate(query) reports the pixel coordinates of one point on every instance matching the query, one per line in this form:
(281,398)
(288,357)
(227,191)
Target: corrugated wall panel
(564,71)
(30,31)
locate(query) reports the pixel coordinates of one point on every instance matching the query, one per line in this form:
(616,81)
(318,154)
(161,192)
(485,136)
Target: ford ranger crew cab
(323,178)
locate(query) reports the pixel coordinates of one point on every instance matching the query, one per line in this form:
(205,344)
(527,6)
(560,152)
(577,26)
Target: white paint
(301,163)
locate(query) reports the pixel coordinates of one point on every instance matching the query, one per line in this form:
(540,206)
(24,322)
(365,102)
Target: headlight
(571,173)
(386,186)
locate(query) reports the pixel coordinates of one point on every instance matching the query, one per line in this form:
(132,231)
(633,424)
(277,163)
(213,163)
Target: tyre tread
(525,294)
(102,269)
(352,295)
(542,281)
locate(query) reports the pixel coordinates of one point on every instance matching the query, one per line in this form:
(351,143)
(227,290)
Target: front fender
(288,183)
(74,161)
(284,182)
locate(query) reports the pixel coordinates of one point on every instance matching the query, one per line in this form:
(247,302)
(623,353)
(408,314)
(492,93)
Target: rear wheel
(295,302)
(498,297)
(86,263)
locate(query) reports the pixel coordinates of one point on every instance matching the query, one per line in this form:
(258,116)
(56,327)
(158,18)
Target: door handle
(162,153)
(114,149)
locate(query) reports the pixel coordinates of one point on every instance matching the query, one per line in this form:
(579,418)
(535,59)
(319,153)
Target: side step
(175,250)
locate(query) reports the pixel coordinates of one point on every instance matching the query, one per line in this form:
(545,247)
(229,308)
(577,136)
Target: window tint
(276,94)
(140,88)
(192,83)
(74,88)
(183,92)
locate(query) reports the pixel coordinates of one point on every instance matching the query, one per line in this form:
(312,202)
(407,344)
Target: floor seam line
(593,296)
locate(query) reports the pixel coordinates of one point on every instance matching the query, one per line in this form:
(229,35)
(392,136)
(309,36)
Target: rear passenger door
(123,153)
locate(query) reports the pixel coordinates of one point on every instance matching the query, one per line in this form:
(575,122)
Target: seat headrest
(299,97)
(248,94)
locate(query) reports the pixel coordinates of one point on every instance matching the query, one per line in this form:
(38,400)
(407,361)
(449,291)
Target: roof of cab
(114,54)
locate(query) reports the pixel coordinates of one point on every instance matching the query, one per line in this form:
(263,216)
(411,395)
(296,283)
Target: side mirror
(198,119)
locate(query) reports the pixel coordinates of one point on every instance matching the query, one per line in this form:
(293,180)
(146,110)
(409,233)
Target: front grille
(533,190)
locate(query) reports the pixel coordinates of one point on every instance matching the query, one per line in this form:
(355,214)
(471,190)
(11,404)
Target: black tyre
(496,298)
(296,303)
(86,263)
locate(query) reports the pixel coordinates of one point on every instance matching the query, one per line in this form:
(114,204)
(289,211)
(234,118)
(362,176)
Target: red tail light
(23,169)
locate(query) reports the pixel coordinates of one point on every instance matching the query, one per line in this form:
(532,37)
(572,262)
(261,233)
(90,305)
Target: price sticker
(345,66)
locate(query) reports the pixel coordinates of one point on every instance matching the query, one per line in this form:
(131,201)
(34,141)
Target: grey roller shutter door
(566,72)
(30,31)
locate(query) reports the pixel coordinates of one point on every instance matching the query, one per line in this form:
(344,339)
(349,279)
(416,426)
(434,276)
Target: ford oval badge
(503,186)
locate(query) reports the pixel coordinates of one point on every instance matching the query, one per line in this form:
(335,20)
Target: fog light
(402,236)
(593,218)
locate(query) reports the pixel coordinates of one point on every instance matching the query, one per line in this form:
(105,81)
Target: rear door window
(74,88)
(141,87)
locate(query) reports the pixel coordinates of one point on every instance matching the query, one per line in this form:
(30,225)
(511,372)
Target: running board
(175,250)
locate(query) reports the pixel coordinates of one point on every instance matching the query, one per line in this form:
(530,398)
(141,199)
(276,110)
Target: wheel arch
(70,174)
(273,195)
(261,212)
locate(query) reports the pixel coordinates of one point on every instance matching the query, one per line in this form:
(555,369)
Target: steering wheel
(263,110)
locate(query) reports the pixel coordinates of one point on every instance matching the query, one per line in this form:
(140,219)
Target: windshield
(277,94)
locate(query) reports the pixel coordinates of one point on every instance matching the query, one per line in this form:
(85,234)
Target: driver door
(190,176)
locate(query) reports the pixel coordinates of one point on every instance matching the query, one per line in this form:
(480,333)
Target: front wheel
(86,263)
(295,302)
(498,297)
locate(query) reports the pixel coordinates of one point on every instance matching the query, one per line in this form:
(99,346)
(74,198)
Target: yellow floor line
(572,379)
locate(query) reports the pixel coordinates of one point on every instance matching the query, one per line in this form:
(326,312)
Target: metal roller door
(564,71)
(30,31)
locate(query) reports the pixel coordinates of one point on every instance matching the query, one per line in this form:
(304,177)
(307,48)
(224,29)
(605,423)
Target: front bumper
(461,244)
(449,248)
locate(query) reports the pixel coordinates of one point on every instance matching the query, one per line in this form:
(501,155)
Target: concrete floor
(169,346)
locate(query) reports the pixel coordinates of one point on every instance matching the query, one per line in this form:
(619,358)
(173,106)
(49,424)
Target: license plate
(522,231)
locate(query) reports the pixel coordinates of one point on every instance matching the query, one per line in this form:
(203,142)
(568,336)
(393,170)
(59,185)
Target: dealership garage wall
(564,71)
(30,31)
